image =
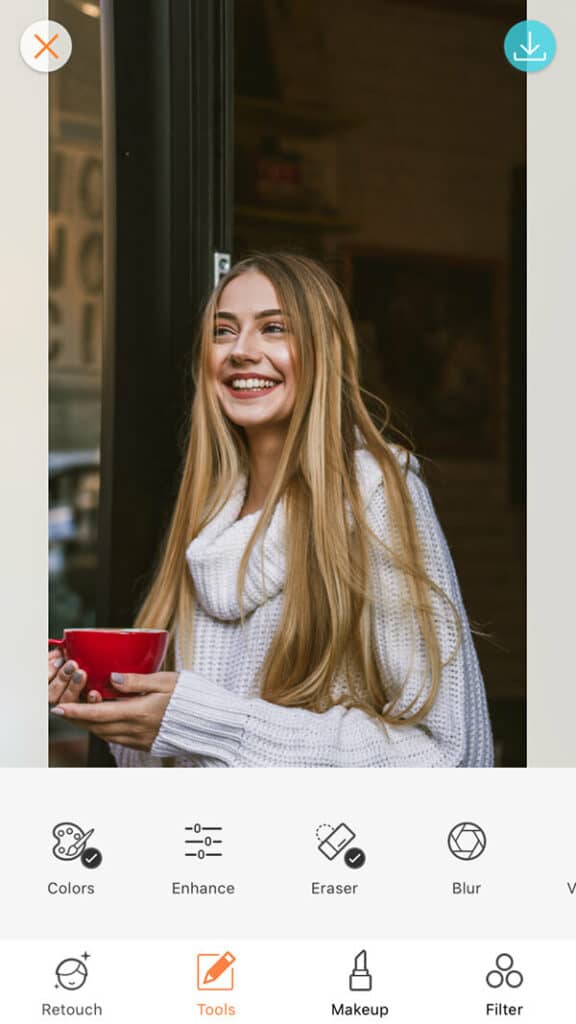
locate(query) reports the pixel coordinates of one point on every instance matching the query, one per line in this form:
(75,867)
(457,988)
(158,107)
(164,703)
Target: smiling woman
(314,613)
(253,366)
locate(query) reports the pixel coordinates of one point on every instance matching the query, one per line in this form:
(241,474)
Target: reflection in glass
(75,339)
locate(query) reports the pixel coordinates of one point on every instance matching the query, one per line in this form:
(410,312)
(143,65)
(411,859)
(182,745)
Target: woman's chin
(255,420)
(258,419)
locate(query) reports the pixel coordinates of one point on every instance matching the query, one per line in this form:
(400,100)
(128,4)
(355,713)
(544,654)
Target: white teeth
(252,383)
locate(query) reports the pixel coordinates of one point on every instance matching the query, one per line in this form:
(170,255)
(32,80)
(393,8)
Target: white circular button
(46,46)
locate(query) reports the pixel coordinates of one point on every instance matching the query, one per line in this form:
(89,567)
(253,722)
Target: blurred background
(386,139)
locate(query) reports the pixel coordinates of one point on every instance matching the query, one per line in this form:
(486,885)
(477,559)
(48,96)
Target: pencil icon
(218,968)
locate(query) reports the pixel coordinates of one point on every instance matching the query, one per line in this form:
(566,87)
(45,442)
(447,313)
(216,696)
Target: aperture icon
(467,841)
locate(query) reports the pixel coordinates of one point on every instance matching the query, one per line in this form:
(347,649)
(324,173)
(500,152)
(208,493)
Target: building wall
(436,117)
(440,125)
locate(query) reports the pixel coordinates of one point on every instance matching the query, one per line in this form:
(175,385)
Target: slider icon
(360,979)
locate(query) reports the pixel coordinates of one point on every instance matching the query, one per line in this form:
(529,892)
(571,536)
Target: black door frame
(168,148)
(168,115)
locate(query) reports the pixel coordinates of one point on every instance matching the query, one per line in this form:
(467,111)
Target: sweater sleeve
(206,720)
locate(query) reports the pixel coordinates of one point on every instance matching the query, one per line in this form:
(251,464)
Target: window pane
(75,336)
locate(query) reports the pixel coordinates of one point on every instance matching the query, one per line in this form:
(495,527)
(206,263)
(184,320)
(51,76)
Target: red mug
(99,652)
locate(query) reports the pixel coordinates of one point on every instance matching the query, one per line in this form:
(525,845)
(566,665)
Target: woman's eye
(274,329)
(222,331)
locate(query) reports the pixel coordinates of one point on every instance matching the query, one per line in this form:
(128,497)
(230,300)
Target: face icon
(71,974)
(252,359)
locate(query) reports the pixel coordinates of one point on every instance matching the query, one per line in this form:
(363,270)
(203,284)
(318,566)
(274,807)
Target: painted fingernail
(117,677)
(68,668)
(77,677)
(57,662)
(57,711)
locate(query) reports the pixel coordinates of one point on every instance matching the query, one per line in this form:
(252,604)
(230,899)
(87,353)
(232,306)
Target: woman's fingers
(60,681)
(111,711)
(67,685)
(156,682)
(75,686)
(133,722)
(55,661)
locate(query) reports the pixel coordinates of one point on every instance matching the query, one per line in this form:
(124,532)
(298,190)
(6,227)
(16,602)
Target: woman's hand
(65,680)
(133,722)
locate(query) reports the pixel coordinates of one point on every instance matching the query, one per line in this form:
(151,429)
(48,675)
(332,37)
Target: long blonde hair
(325,627)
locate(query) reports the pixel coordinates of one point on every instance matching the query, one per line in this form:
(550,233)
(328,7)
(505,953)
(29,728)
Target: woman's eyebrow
(223,315)
(268,312)
(227,316)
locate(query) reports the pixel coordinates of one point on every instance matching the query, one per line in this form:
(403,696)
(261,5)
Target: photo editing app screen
(287,397)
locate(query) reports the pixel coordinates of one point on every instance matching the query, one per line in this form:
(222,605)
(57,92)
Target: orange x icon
(46,46)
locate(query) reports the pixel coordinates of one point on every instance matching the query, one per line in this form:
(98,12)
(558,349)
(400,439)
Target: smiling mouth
(251,387)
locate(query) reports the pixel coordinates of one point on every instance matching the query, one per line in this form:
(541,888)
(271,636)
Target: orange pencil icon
(215,970)
(218,968)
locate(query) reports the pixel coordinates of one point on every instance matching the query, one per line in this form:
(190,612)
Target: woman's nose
(246,346)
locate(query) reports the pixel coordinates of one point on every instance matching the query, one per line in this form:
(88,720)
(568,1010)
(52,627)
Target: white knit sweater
(215,717)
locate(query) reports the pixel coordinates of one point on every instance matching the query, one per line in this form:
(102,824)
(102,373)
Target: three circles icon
(504,973)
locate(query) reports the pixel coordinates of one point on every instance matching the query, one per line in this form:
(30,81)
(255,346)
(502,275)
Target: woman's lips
(244,393)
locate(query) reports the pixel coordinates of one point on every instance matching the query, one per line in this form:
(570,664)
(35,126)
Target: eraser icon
(338,838)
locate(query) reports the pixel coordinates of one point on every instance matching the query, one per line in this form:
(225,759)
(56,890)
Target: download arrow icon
(530,46)
(529,49)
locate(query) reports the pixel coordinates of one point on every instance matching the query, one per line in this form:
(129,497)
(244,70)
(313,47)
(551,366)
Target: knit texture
(216,718)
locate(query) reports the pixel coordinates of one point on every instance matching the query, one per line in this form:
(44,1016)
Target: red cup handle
(56,643)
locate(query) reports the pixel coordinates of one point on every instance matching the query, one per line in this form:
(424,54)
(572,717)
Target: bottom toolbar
(284,982)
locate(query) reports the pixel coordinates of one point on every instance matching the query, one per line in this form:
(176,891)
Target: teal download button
(530,46)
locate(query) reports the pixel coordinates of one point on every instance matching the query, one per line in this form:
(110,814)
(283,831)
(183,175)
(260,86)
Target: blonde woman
(314,611)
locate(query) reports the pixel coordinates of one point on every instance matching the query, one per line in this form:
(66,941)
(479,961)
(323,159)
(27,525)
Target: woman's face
(252,359)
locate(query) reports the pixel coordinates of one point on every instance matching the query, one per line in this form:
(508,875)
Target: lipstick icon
(360,979)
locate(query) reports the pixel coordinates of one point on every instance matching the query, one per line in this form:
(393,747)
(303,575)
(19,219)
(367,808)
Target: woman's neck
(265,451)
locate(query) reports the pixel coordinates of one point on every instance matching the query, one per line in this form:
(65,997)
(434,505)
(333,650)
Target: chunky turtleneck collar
(214,556)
